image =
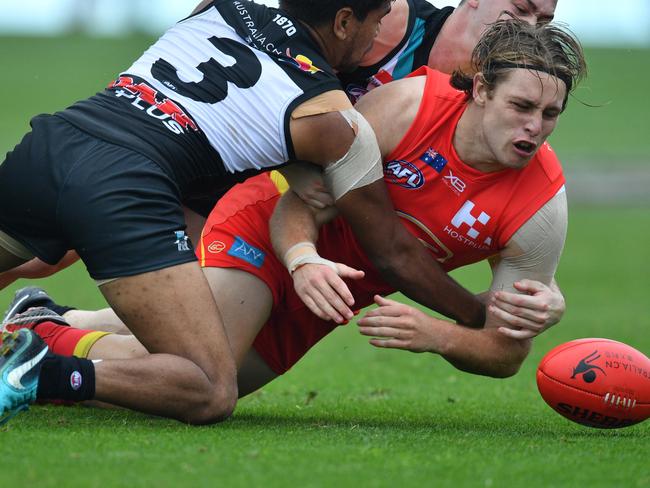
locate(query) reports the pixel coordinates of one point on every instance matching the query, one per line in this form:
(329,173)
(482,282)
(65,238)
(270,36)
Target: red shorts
(236,235)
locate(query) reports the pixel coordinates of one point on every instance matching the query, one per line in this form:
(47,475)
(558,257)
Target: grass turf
(350,414)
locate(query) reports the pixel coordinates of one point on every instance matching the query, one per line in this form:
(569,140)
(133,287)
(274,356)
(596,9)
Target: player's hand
(397,326)
(530,313)
(307,182)
(324,291)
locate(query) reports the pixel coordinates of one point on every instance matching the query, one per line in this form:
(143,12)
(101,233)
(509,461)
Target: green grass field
(351,415)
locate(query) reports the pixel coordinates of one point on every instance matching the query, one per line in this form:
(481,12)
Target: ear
(472,3)
(343,22)
(480,92)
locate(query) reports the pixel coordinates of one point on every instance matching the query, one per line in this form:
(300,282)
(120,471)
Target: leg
(252,374)
(187,376)
(105,320)
(245,303)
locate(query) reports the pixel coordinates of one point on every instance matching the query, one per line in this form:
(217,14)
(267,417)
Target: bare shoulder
(391,109)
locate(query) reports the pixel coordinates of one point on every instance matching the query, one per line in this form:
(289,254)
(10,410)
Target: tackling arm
(352,157)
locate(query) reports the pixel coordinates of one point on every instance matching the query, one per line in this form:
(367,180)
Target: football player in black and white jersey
(231,90)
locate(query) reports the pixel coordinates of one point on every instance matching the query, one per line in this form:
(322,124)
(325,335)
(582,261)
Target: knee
(214,406)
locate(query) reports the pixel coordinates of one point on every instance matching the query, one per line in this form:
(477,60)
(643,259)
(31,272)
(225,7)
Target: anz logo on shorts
(243,250)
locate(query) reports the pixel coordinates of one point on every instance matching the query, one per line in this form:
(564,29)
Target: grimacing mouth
(525,146)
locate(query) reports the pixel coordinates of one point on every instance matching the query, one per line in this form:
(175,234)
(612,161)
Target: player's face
(362,36)
(532,11)
(519,115)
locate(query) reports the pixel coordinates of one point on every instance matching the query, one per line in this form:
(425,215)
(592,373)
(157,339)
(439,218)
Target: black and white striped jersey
(211,100)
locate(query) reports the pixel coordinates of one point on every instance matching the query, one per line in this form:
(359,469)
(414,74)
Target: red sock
(68,341)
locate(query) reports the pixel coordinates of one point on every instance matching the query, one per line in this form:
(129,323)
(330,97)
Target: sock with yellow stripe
(68,341)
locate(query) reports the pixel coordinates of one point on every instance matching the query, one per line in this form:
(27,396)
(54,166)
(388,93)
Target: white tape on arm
(305,253)
(535,249)
(361,165)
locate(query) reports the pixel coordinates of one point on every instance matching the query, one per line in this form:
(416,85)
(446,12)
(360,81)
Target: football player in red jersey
(471,175)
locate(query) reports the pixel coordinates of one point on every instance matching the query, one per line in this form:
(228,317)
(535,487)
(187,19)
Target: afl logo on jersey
(403,173)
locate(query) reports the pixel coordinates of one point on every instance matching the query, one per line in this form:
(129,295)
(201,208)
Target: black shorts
(62,189)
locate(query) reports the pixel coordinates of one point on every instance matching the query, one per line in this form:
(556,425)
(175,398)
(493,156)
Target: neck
(470,144)
(453,47)
(322,37)
(393,29)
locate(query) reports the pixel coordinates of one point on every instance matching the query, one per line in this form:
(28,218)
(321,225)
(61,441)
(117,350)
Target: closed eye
(521,107)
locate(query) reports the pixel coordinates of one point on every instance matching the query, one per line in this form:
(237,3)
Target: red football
(596,382)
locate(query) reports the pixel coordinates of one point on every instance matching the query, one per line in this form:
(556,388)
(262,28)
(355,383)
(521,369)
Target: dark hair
(513,43)
(319,12)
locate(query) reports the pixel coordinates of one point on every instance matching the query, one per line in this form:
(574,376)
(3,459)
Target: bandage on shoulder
(361,165)
(330,101)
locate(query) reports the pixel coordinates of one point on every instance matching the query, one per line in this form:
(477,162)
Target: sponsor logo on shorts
(243,250)
(216,247)
(182,241)
(75,380)
(433,158)
(403,173)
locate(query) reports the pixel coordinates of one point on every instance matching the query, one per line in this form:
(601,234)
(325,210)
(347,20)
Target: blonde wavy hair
(514,44)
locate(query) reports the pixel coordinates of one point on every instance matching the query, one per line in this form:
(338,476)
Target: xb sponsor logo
(587,369)
(403,173)
(454,182)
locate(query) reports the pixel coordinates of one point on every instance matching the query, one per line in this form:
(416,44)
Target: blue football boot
(21,355)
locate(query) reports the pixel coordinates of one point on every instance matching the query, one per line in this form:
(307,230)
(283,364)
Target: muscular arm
(531,255)
(483,352)
(397,255)
(524,293)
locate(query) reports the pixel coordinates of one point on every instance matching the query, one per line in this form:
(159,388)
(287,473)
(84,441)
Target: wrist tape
(305,253)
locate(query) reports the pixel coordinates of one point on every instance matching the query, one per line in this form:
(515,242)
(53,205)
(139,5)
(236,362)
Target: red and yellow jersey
(460,214)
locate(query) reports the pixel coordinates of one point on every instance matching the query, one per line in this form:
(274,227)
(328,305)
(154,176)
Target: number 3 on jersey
(213,88)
